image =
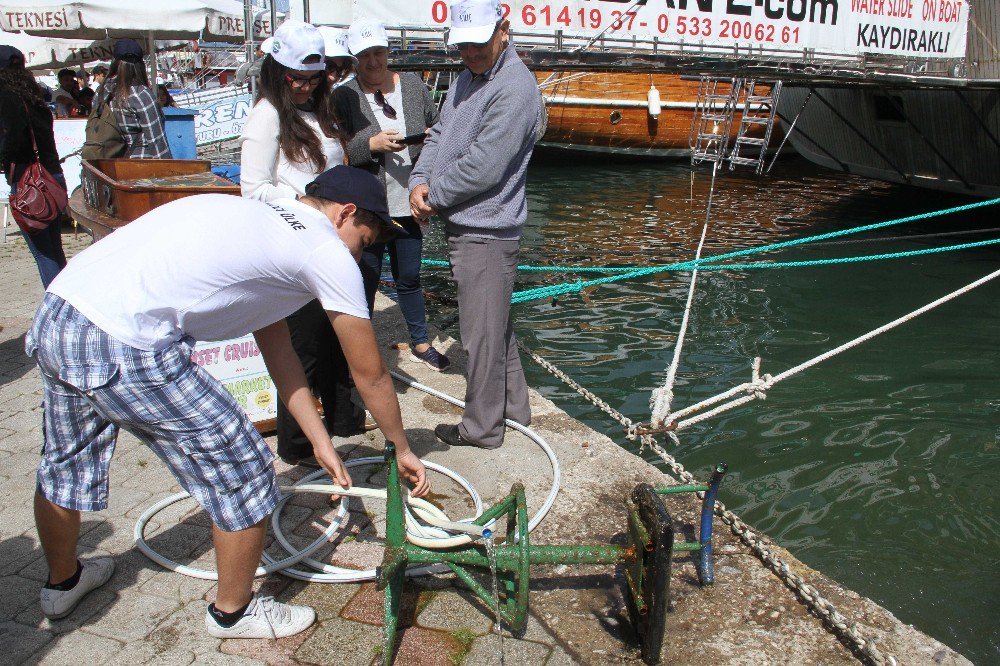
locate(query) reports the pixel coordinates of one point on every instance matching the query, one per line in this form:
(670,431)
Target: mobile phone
(412,139)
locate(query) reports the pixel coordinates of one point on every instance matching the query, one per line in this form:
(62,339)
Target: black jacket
(15,139)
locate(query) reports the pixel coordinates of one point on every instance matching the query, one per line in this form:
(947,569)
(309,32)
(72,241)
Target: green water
(878,467)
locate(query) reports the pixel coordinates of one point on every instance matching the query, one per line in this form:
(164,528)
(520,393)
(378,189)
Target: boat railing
(425,48)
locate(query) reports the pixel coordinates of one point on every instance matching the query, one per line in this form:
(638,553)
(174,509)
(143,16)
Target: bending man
(116,354)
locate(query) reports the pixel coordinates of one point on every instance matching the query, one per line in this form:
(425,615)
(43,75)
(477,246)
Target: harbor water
(879,466)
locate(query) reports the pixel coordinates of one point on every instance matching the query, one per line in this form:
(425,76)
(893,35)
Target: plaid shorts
(95,384)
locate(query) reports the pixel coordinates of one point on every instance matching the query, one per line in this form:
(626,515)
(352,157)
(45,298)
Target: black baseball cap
(10,57)
(346,184)
(128,50)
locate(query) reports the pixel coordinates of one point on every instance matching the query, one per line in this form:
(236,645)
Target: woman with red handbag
(23,112)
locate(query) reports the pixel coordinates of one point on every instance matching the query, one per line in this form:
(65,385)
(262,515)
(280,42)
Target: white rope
(759,385)
(660,400)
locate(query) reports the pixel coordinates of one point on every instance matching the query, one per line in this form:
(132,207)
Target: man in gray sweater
(472,173)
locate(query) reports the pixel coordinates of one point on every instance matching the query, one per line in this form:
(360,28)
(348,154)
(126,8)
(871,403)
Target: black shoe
(450,435)
(307,461)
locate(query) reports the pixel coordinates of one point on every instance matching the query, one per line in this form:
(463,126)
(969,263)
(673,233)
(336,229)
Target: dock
(146,614)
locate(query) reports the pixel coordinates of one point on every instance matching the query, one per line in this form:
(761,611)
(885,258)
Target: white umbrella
(212,20)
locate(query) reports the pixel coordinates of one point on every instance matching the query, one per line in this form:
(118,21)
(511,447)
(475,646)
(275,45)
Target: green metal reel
(646,558)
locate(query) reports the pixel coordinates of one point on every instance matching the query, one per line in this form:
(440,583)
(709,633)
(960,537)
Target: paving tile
(133,616)
(18,642)
(451,610)
(327,599)
(80,648)
(177,586)
(18,593)
(423,647)
(221,659)
(17,552)
(144,653)
(486,652)
(368,606)
(560,657)
(184,629)
(343,643)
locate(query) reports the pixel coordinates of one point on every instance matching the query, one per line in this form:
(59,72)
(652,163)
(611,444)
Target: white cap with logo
(473,21)
(336,43)
(295,41)
(365,34)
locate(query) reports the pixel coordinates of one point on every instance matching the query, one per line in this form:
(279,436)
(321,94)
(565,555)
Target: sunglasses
(300,82)
(386,107)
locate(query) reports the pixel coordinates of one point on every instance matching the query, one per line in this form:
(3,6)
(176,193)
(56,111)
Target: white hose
(436,534)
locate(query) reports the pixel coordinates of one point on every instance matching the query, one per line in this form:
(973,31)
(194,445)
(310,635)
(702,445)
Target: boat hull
(942,139)
(609,113)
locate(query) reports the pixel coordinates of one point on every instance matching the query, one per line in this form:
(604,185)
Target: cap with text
(293,43)
(10,57)
(346,184)
(366,34)
(473,21)
(127,50)
(336,43)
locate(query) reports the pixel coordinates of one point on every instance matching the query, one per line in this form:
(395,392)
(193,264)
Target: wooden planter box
(128,188)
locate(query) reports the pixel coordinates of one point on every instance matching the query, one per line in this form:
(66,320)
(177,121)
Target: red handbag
(39,199)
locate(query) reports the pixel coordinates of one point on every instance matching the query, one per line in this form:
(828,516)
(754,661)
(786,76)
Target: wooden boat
(611,113)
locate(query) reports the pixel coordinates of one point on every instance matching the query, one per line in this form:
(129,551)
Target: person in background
(67,105)
(472,173)
(290,136)
(380,108)
(164,97)
(22,107)
(100,73)
(340,64)
(85,94)
(128,92)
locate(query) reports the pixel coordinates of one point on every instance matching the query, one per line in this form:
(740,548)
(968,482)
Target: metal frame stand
(646,558)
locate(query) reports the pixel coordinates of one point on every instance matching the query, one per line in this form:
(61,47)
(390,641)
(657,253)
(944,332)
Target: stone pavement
(146,614)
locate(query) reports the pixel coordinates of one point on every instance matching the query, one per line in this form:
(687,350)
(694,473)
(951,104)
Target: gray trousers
(484,270)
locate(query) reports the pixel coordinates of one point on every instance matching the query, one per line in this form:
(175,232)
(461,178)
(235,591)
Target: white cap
(364,34)
(293,42)
(473,21)
(336,43)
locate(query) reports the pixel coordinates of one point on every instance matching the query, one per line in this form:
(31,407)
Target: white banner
(220,120)
(913,28)
(238,364)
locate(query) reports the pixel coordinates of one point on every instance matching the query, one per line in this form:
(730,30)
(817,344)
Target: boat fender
(653,101)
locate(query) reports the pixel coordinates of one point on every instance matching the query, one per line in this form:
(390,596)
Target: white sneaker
(264,618)
(60,603)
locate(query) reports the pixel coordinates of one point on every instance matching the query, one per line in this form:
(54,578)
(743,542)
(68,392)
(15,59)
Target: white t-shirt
(266,173)
(397,165)
(212,266)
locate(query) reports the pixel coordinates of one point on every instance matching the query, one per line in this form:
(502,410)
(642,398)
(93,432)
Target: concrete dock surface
(146,614)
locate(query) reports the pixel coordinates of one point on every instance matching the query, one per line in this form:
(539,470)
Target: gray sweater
(357,119)
(476,158)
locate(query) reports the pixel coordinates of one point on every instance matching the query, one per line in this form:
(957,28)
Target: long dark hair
(297,140)
(126,74)
(20,82)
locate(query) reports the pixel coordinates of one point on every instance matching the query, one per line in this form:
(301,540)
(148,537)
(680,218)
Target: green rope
(552,291)
(740,253)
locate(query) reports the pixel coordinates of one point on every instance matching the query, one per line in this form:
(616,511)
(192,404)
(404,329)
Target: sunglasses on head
(299,82)
(386,107)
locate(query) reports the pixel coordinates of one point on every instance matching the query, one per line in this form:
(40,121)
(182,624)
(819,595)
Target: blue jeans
(404,261)
(46,246)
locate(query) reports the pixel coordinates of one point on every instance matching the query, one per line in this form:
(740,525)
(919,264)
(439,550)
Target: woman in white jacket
(289,138)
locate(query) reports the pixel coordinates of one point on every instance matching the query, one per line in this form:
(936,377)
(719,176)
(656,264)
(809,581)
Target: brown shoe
(450,435)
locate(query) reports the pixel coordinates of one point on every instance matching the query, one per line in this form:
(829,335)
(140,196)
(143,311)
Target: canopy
(52,53)
(212,20)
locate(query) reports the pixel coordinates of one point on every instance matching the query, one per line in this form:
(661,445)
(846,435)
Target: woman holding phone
(386,113)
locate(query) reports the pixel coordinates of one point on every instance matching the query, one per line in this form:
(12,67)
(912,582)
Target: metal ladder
(758,111)
(713,119)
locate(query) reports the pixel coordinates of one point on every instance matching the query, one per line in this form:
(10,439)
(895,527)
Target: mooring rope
(758,386)
(661,398)
(845,629)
